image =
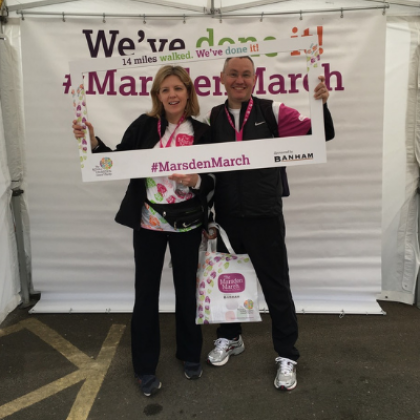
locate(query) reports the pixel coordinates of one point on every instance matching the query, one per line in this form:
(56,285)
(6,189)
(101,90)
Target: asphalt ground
(78,367)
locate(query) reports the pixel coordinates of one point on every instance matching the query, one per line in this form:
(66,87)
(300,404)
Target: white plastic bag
(226,286)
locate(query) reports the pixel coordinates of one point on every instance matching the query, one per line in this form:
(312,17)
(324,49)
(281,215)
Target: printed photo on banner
(131,76)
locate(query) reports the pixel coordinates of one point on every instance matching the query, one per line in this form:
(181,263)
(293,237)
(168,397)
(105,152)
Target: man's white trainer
(223,349)
(286,374)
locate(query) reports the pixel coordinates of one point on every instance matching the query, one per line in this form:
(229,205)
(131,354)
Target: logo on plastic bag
(231,283)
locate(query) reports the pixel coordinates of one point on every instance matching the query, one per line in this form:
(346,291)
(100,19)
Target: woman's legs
(149,254)
(184,253)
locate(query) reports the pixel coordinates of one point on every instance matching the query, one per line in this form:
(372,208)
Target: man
(248,205)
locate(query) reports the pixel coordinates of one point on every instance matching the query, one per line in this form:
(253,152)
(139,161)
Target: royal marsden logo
(106,163)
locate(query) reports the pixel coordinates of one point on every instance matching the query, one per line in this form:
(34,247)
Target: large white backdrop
(83,261)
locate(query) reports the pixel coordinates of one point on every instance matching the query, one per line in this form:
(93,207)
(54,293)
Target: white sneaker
(224,348)
(286,374)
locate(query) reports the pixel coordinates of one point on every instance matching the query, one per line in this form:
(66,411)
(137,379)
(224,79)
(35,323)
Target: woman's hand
(189,180)
(80,130)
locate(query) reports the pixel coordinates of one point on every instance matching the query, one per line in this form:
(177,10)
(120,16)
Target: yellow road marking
(91,370)
(40,394)
(55,340)
(10,330)
(86,396)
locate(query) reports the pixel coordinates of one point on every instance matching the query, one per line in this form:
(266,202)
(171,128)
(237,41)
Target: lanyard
(239,134)
(173,132)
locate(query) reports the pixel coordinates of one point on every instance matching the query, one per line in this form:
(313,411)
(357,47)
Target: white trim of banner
(276,152)
(123,303)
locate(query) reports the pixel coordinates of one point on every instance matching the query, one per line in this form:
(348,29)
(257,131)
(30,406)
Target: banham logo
(294,157)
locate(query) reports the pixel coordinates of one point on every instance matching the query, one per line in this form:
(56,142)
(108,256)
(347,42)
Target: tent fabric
(11,130)
(400,253)
(400,245)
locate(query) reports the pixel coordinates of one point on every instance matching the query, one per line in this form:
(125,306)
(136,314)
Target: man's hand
(321,91)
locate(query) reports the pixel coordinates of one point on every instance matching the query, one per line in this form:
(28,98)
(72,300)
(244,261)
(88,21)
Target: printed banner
(83,261)
(264,153)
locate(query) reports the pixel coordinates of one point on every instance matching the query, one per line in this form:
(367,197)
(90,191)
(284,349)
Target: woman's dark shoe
(149,384)
(192,370)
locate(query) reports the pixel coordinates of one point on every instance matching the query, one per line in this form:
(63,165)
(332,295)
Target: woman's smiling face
(174,96)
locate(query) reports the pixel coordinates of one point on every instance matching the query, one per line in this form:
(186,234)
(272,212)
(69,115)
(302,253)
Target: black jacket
(253,192)
(142,134)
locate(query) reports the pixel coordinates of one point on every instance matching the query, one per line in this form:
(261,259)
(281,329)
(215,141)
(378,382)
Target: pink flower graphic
(171,199)
(161,189)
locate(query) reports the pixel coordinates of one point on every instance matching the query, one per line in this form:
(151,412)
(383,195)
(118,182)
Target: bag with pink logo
(226,286)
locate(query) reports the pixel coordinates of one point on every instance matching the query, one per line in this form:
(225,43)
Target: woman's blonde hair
(192,108)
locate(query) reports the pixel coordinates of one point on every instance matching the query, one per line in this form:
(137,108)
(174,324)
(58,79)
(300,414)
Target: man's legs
(263,241)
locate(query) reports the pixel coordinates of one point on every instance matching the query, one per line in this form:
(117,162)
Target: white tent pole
(20,11)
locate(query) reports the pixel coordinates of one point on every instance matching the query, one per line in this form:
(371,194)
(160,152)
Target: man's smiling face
(238,76)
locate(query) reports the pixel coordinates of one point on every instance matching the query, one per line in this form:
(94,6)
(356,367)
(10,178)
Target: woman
(168,124)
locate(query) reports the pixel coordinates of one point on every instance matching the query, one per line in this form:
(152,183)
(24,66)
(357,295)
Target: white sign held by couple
(265,153)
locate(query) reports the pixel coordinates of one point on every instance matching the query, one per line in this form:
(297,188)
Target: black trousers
(149,253)
(263,239)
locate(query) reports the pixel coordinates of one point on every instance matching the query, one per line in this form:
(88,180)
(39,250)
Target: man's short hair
(244,56)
